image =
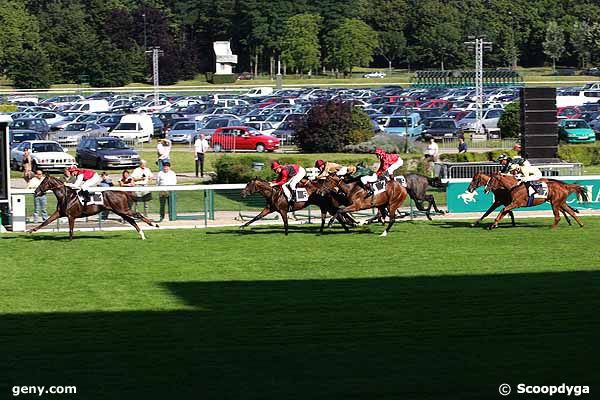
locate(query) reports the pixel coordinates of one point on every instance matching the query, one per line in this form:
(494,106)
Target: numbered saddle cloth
(378,187)
(538,189)
(96,198)
(301,194)
(401,179)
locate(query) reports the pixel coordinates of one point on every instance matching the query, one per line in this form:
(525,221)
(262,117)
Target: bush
(587,154)
(390,143)
(331,126)
(477,157)
(6,108)
(220,79)
(510,121)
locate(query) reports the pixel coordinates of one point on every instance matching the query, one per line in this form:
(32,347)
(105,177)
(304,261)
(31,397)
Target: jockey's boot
(291,201)
(86,197)
(369,189)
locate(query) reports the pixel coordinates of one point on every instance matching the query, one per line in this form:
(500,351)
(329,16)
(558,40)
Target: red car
(242,138)
(570,112)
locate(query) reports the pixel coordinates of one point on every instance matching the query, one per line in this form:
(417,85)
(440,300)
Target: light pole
(278,77)
(480,45)
(156,52)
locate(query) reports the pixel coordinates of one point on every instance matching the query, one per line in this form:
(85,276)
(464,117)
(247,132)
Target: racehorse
(277,202)
(68,205)
(388,201)
(501,198)
(557,196)
(416,186)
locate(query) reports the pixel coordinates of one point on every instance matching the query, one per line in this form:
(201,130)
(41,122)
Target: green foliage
(30,69)
(554,45)
(471,157)
(330,126)
(221,79)
(351,44)
(7,108)
(510,121)
(300,44)
(390,143)
(587,154)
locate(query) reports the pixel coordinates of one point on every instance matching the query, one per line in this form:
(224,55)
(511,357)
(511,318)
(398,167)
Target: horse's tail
(436,182)
(580,190)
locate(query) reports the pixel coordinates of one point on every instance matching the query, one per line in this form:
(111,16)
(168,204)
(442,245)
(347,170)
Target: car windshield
(127,126)
(442,125)
(111,144)
(75,127)
(184,127)
(109,119)
(471,115)
(576,125)
(46,148)
(18,137)
(397,123)
(276,117)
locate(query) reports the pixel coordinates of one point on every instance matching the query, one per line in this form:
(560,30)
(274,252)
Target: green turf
(436,310)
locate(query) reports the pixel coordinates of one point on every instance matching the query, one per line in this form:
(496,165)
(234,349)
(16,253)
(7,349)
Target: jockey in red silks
(86,178)
(388,164)
(288,175)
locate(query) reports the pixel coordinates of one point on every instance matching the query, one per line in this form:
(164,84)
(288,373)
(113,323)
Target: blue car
(105,152)
(409,125)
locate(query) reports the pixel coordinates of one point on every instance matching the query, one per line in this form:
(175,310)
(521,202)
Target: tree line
(103,42)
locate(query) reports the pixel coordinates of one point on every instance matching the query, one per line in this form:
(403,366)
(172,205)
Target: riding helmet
(319,164)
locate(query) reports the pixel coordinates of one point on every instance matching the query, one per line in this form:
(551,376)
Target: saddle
(536,190)
(96,198)
(401,180)
(301,194)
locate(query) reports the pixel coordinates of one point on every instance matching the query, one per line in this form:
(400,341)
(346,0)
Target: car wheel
(260,147)
(216,147)
(14,165)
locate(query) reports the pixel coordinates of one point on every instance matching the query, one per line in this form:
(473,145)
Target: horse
(68,205)
(416,186)
(388,201)
(277,202)
(501,198)
(557,196)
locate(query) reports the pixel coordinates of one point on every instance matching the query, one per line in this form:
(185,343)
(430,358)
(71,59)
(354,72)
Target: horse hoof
(384,234)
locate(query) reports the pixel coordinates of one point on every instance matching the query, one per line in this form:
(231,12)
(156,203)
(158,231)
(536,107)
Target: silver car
(184,131)
(489,120)
(72,134)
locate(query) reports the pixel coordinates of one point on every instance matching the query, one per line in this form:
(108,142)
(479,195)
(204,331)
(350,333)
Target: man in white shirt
(166,177)
(142,176)
(163,148)
(40,203)
(433,151)
(200,147)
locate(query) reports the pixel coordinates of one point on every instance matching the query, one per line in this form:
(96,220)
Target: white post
(278,78)
(156,52)
(479,82)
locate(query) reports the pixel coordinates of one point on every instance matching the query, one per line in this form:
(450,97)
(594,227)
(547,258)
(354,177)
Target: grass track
(436,310)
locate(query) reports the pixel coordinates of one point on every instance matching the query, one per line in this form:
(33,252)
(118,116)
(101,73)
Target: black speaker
(539,124)
(4,162)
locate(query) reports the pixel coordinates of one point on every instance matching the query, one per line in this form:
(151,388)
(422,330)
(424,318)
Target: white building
(224,57)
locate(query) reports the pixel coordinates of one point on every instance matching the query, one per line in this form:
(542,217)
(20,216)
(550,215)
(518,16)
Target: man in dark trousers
(200,147)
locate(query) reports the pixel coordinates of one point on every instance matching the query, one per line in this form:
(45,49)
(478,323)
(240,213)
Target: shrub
(586,154)
(220,79)
(390,143)
(510,121)
(331,126)
(5,108)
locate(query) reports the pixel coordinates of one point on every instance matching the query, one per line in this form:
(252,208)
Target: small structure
(225,59)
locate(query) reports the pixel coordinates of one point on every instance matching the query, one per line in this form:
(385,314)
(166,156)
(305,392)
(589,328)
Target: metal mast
(479,45)
(156,52)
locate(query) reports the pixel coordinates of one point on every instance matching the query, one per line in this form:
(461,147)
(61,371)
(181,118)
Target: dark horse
(557,196)
(277,202)
(69,206)
(391,199)
(416,187)
(501,198)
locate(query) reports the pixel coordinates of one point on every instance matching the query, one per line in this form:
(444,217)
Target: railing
(446,170)
(498,144)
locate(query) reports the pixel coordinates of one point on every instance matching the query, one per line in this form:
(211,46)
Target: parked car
(184,131)
(262,126)
(35,124)
(242,138)
(134,127)
(400,125)
(64,122)
(374,75)
(159,127)
(74,132)
(286,132)
(575,131)
(489,120)
(442,128)
(18,136)
(109,121)
(106,152)
(209,127)
(45,155)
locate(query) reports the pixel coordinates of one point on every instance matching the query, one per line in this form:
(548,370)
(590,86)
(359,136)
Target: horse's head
(255,185)
(479,179)
(48,183)
(331,183)
(495,182)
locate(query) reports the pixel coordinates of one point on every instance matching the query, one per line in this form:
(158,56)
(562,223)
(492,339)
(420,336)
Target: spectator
(40,203)
(432,153)
(166,177)
(126,180)
(200,146)
(27,164)
(462,146)
(105,181)
(163,149)
(142,176)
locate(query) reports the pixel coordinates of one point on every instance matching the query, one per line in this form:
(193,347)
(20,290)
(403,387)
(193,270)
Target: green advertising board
(480,202)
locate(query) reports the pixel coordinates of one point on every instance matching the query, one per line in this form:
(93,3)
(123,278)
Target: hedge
(587,154)
(8,107)
(474,157)
(220,79)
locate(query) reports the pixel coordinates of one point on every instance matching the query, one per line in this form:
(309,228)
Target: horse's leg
(264,212)
(55,215)
(556,211)
(512,218)
(501,215)
(284,217)
(131,222)
(488,212)
(431,201)
(393,209)
(571,212)
(144,218)
(71,227)
(564,213)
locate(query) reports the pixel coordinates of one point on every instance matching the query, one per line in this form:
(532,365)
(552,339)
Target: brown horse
(557,196)
(388,201)
(277,202)
(501,197)
(68,205)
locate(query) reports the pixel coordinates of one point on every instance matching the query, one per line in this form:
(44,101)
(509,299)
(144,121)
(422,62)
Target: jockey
(527,174)
(388,164)
(328,168)
(85,179)
(288,175)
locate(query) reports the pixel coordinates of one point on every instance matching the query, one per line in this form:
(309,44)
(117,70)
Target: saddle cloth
(541,193)
(378,187)
(401,179)
(301,194)
(95,198)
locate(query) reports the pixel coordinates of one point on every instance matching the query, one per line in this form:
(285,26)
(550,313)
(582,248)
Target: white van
(259,92)
(89,106)
(577,98)
(134,128)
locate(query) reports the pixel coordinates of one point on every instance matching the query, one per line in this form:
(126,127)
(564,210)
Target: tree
(392,46)
(510,121)
(579,40)
(330,126)
(300,47)
(593,41)
(554,45)
(351,44)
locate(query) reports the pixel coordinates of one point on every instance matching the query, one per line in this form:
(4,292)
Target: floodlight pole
(480,45)
(156,52)
(278,77)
